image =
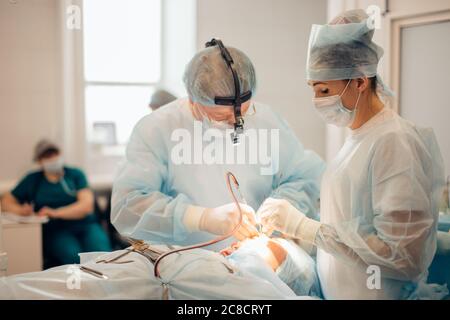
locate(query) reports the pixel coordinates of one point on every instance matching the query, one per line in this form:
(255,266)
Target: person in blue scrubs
(62,194)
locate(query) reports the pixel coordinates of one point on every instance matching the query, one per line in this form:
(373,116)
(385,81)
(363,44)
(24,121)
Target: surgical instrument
(93,272)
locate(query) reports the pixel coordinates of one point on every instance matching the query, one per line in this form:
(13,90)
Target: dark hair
(48,153)
(373,83)
(350,56)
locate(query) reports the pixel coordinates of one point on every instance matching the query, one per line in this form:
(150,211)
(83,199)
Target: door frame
(397,25)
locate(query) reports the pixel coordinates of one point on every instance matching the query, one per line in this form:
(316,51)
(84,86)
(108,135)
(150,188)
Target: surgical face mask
(53,166)
(221,125)
(333,111)
(224,124)
(209,123)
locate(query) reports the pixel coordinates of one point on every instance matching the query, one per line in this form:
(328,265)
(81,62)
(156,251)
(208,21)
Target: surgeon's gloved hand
(222,220)
(281,215)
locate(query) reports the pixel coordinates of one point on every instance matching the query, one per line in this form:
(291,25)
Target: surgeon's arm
(141,207)
(300,171)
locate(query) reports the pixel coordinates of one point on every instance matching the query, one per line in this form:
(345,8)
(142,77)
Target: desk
(23,244)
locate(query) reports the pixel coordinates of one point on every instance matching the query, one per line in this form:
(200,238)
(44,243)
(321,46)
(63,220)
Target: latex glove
(222,220)
(281,215)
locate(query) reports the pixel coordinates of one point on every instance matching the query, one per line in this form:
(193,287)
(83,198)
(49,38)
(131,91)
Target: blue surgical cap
(207,75)
(343,49)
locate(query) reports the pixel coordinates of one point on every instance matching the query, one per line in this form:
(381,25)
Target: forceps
(138,246)
(258,224)
(114,260)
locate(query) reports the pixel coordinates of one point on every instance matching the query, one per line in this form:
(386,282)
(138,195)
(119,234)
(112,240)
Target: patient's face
(269,249)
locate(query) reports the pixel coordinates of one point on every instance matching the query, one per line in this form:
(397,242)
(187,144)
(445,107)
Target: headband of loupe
(236,100)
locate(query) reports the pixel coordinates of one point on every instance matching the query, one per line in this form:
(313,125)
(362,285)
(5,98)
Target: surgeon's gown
(379,211)
(152,191)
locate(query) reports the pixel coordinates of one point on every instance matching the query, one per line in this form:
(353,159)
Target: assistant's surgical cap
(343,49)
(207,75)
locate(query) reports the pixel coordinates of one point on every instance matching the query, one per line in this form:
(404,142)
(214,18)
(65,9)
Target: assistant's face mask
(53,166)
(333,111)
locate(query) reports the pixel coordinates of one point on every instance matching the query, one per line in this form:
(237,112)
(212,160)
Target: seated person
(62,194)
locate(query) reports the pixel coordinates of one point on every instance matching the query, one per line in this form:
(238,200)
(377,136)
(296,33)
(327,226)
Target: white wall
(274,34)
(422,83)
(178,47)
(30,91)
(178,42)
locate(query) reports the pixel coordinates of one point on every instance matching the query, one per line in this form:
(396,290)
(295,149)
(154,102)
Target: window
(122,65)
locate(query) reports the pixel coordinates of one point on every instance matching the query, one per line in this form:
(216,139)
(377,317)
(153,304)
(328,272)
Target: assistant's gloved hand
(221,220)
(281,215)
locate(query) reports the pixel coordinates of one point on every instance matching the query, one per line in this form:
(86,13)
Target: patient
(270,250)
(257,268)
(291,263)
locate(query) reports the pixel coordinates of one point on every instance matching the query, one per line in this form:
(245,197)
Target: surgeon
(379,197)
(160,198)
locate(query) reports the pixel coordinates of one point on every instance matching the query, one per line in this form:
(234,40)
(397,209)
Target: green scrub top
(35,189)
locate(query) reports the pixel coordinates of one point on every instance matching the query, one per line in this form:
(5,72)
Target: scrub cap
(343,49)
(42,147)
(207,75)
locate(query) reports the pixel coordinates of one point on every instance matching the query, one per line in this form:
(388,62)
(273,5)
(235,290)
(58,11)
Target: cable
(204,244)
(67,190)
